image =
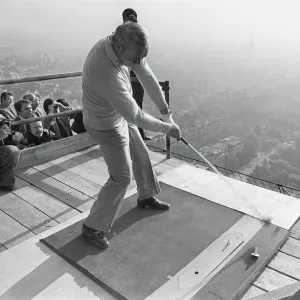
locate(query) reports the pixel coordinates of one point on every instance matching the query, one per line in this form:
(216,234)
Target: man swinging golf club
(112,117)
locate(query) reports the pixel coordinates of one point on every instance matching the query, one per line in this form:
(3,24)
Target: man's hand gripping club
(175,130)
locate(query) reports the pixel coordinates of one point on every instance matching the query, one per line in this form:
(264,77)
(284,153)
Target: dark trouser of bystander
(138,95)
(9,156)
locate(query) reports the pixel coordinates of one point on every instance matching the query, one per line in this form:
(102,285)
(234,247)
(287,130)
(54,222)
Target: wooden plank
(32,271)
(160,168)
(232,281)
(71,179)
(94,152)
(82,165)
(295,231)
(270,280)
(93,170)
(296,296)
(291,247)
(68,287)
(159,157)
(286,264)
(46,203)
(249,199)
(253,292)
(132,265)
(25,214)
(2,247)
(71,160)
(66,196)
(12,232)
(247,225)
(69,156)
(280,294)
(49,151)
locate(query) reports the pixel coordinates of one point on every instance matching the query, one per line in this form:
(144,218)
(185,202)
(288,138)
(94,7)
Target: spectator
(24,110)
(39,98)
(63,102)
(59,125)
(9,156)
(6,101)
(15,138)
(36,135)
(78,125)
(129,15)
(35,102)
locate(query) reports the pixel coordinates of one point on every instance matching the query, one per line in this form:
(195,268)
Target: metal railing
(277,187)
(166,147)
(165,85)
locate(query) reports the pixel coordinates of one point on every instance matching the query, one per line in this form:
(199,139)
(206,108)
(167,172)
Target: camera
(5,122)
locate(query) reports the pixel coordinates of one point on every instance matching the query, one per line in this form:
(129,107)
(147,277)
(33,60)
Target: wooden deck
(54,192)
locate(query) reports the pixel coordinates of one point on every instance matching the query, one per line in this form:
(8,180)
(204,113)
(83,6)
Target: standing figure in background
(6,102)
(129,15)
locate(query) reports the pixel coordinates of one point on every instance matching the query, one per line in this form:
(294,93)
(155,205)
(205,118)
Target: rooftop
(53,195)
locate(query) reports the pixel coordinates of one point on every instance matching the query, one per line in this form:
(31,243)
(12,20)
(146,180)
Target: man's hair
(129,15)
(5,94)
(28,96)
(63,102)
(18,104)
(46,104)
(128,33)
(28,126)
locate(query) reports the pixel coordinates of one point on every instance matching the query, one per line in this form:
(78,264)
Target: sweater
(107,92)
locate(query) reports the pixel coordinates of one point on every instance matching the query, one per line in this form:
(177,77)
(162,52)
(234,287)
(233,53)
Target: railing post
(166,89)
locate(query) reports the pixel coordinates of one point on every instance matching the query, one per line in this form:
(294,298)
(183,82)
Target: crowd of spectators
(18,136)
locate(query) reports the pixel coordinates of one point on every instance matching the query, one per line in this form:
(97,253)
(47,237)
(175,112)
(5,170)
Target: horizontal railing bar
(163,84)
(47,117)
(53,76)
(40,78)
(286,188)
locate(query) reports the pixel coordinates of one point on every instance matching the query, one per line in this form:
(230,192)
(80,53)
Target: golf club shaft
(199,154)
(223,178)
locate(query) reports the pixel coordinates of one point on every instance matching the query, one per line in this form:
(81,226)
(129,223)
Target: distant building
(234,146)
(214,155)
(230,144)
(220,146)
(229,139)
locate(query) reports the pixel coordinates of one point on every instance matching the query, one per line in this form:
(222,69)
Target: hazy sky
(275,23)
